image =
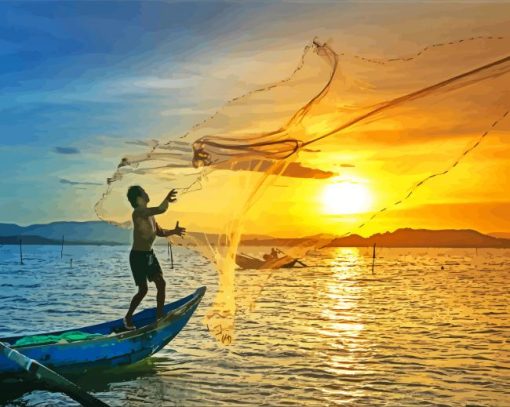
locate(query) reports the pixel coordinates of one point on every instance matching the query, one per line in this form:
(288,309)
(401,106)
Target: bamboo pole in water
(373,259)
(171,255)
(20,252)
(50,377)
(62,248)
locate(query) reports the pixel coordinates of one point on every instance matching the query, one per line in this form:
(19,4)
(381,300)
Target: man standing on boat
(144,264)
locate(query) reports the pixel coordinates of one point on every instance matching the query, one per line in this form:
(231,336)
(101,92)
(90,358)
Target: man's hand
(172,196)
(178,230)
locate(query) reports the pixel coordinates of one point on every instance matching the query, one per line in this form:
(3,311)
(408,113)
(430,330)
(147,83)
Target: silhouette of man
(144,264)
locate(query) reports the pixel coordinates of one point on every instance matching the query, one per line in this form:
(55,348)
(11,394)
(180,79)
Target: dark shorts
(144,266)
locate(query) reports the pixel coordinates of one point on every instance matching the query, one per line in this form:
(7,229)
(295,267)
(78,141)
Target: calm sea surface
(330,334)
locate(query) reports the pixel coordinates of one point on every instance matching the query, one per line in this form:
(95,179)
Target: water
(331,334)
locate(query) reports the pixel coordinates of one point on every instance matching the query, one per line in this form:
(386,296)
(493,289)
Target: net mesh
(251,168)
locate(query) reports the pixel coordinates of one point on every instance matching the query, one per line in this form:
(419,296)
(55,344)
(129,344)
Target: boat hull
(112,349)
(246,262)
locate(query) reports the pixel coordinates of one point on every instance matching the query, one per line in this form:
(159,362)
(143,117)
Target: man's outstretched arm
(157,210)
(179,231)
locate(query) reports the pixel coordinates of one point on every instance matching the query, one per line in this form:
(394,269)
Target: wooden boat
(114,347)
(247,262)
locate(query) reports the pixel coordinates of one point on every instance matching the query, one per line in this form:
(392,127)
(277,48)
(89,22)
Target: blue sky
(80,79)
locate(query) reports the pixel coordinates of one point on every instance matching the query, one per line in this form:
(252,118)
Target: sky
(82,80)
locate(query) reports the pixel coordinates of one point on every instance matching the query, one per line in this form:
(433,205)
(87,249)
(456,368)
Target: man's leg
(135,302)
(161,286)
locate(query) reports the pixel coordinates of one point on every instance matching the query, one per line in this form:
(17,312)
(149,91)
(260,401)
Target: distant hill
(399,238)
(10,229)
(501,235)
(424,238)
(73,232)
(26,239)
(97,232)
(320,239)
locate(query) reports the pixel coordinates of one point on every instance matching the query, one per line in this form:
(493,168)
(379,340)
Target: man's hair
(134,192)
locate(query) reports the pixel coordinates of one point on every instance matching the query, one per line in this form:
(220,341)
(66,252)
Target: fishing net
(66,337)
(257,167)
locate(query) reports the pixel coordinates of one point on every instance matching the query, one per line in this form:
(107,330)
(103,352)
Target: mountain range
(92,232)
(406,237)
(97,232)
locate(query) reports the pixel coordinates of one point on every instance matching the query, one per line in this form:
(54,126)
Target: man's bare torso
(144,232)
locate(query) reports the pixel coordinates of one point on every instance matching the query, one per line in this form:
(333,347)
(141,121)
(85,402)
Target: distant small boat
(114,346)
(248,262)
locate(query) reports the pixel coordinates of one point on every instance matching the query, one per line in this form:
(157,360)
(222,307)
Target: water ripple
(329,335)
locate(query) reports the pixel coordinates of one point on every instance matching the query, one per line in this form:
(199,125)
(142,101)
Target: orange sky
(161,85)
(384,157)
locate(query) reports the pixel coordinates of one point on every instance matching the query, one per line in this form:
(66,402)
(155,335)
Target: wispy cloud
(149,143)
(146,85)
(151,82)
(182,111)
(69,182)
(293,170)
(66,150)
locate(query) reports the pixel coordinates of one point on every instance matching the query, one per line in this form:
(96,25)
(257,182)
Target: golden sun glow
(345,198)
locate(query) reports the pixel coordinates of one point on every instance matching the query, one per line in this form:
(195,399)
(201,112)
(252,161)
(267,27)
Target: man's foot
(128,324)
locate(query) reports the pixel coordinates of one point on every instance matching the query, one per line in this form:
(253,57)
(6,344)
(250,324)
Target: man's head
(137,196)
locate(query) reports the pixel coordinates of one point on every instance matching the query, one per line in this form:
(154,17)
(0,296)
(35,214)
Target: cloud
(294,170)
(161,83)
(149,143)
(69,182)
(66,150)
(147,84)
(184,111)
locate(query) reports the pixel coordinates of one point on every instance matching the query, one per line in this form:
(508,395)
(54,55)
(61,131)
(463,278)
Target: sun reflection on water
(344,326)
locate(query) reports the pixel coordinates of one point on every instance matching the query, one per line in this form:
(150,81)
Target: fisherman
(144,264)
(273,255)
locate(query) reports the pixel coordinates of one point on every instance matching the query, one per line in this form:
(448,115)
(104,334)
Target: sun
(345,198)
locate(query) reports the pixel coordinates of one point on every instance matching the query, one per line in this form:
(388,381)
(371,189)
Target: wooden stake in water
(171,255)
(20,252)
(373,259)
(62,249)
